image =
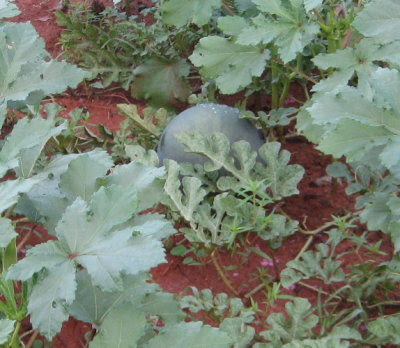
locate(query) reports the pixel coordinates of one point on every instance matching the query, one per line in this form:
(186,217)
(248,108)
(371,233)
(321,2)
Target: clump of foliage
(149,59)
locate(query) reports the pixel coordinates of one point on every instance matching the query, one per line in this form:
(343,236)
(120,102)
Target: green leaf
(231,65)
(386,329)
(276,117)
(8,10)
(23,69)
(305,125)
(80,178)
(11,189)
(380,20)
(277,229)
(106,256)
(277,175)
(211,218)
(355,125)
(163,305)
(297,325)
(313,264)
(50,298)
(154,225)
(386,84)
(25,143)
(232,25)
(3,113)
(7,232)
(45,202)
(123,327)
(291,30)
(111,206)
(216,147)
(353,139)
(146,179)
(153,122)
(187,199)
(46,255)
(191,335)
(181,12)
(49,78)
(281,177)
(90,236)
(360,59)
(6,325)
(161,82)
(349,104)
(311,4)
(92,304)
(377,213)
(140,154)
(339,338)
(240,333)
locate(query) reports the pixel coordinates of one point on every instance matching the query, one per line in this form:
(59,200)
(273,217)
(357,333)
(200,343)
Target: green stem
(331,45)
(14,342)
(275,85)
(285,92)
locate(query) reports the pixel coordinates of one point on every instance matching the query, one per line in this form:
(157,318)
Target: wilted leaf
(161,82)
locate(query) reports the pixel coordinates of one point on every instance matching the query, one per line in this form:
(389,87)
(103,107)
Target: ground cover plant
(96,233)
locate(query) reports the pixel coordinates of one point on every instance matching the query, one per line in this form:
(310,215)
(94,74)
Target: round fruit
(206,118)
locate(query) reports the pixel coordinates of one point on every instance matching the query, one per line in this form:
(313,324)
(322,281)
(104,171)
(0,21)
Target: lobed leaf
(50,298)
(7,10)
(11,189)
(386,329)
(122,327)
(357,126)
(281,177)
(92,305)
(340,337)
(25,76)
(145,178)
(23,146)
(298,325)
(240,333)
(231,65)
(191,335)
(313,264)
(290,29)
(6,325)
(182,12)
(187,199)
(380,20)
(80,178)
(7,232)
(360,59)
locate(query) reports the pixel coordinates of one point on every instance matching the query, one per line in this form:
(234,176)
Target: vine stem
(228,9)
(254,290)
(32,339)
(385,303)
(222,273)
(305,247)
(24,240)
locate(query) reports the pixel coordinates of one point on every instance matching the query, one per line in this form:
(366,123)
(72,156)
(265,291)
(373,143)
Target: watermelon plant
(101,207)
